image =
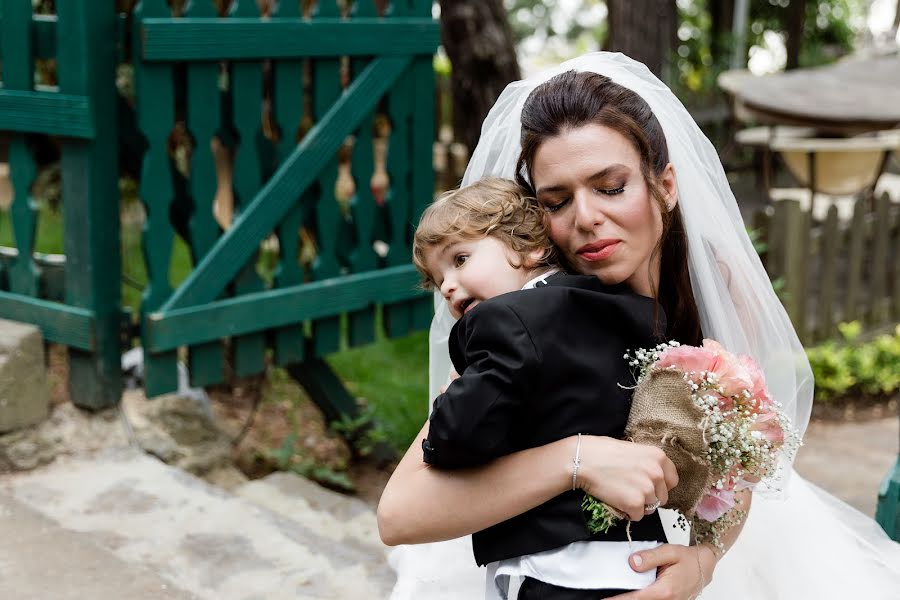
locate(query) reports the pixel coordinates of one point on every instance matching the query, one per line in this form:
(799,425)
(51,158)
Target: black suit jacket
(537,366)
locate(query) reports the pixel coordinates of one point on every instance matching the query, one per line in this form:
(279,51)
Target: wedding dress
(798,541)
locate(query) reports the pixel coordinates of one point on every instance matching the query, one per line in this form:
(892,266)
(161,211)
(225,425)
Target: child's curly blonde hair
(489,207)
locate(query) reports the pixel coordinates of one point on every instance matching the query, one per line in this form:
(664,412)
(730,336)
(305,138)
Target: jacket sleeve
(472,422)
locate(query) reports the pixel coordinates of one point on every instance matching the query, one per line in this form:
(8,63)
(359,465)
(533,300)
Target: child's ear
(533,258)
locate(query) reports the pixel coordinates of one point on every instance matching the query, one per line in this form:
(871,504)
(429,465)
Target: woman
(654,191)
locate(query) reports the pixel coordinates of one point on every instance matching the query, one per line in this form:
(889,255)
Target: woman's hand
(625,475)
(453,376)
(682,572)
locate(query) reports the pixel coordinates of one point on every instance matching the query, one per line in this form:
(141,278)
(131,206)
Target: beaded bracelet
(576,462)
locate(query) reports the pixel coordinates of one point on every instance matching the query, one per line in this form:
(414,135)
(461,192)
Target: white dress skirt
(807,545)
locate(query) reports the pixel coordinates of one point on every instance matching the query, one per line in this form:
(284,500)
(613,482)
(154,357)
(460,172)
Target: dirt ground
(285,417)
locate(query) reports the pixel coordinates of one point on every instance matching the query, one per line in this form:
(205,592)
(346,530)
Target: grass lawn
(392,375)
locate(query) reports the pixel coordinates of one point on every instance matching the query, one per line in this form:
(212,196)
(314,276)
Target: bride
(797,542)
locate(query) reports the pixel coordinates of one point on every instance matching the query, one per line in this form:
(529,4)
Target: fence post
(86,42)
(887,512)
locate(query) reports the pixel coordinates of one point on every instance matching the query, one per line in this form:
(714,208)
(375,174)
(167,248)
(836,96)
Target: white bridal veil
(738,306)
(802,543)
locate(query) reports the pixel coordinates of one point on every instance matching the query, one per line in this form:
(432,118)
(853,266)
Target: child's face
(469,271)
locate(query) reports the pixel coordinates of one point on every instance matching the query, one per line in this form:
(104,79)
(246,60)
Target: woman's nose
(588,213)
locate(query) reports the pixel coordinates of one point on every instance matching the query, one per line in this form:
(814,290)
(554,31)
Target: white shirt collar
(533,282)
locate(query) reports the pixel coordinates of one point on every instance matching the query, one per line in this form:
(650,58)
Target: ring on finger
(649,509)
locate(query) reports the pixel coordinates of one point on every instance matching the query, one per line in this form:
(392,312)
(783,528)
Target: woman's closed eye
(610,191)
(551,206)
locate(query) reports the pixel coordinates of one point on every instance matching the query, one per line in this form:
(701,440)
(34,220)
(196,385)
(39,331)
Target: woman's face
(602,215)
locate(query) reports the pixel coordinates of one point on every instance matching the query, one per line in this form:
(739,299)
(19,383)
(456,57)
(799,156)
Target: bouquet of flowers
(711,413)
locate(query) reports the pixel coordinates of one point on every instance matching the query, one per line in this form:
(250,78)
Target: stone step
(208,542)
(46,561)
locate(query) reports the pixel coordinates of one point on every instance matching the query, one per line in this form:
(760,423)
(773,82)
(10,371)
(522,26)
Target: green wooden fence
(77,112)
(296,98)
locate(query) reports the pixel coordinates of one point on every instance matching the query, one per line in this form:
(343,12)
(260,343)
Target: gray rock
(24,390)
(178,430)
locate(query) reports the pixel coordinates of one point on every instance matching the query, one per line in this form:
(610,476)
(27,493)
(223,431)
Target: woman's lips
(598,250)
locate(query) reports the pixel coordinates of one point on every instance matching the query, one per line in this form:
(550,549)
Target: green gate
(305,101)
(75,301)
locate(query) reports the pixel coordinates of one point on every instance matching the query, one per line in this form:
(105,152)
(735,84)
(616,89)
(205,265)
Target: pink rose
(688,359)
(715,504)
(769,426)
(758,389)
(733,376)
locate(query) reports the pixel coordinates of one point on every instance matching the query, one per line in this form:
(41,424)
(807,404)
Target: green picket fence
(304,102)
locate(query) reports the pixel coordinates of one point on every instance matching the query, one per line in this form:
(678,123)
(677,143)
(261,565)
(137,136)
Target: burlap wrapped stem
(664,415)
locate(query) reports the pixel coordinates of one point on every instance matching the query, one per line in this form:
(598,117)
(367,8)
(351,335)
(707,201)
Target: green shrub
(851,367)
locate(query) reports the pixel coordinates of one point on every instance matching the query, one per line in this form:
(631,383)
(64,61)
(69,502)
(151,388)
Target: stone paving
(850,460)
(124,525)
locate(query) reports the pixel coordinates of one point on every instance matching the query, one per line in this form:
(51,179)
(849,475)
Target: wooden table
(846,98)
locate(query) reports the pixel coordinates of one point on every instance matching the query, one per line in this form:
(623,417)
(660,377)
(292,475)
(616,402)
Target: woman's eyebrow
(610,170)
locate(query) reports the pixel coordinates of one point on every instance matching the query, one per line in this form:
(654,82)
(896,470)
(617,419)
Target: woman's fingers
(453,375)
(626,476)
(646,560)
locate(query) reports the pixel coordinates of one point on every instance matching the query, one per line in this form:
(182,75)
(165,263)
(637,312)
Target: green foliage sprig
(849,366)
(599,519)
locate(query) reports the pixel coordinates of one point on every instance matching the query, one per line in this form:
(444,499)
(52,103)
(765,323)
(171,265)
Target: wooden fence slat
(324,35)
(794,247)
(326,90)
(895,260)
(91,199)
(18,74)
(422,189)
(283,306)
(398,317)
(878,289)
(361,324)
(857,240)
(155,92)
(290,342)
(247,99)
(206,361)
(830,246)
(52,113)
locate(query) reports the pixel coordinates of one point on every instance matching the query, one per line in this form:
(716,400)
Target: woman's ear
(670,186)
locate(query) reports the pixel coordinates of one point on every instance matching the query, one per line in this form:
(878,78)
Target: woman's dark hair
(573,99)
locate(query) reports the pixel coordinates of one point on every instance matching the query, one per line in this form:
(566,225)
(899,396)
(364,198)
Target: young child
(535,366)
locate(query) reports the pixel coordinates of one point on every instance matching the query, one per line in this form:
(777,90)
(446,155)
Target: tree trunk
(721,14)
(645,30)
(479,43)
(796,15)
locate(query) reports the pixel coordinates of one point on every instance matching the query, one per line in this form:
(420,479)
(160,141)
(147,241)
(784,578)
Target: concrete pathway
(39,560)
(850,460)
(120,524)
(213,544)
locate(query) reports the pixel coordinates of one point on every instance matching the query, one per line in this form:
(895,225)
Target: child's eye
(460,259)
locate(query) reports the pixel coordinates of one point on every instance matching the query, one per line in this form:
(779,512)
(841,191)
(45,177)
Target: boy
(535,366)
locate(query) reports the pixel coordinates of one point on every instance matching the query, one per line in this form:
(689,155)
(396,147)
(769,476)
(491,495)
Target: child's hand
(453,375)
